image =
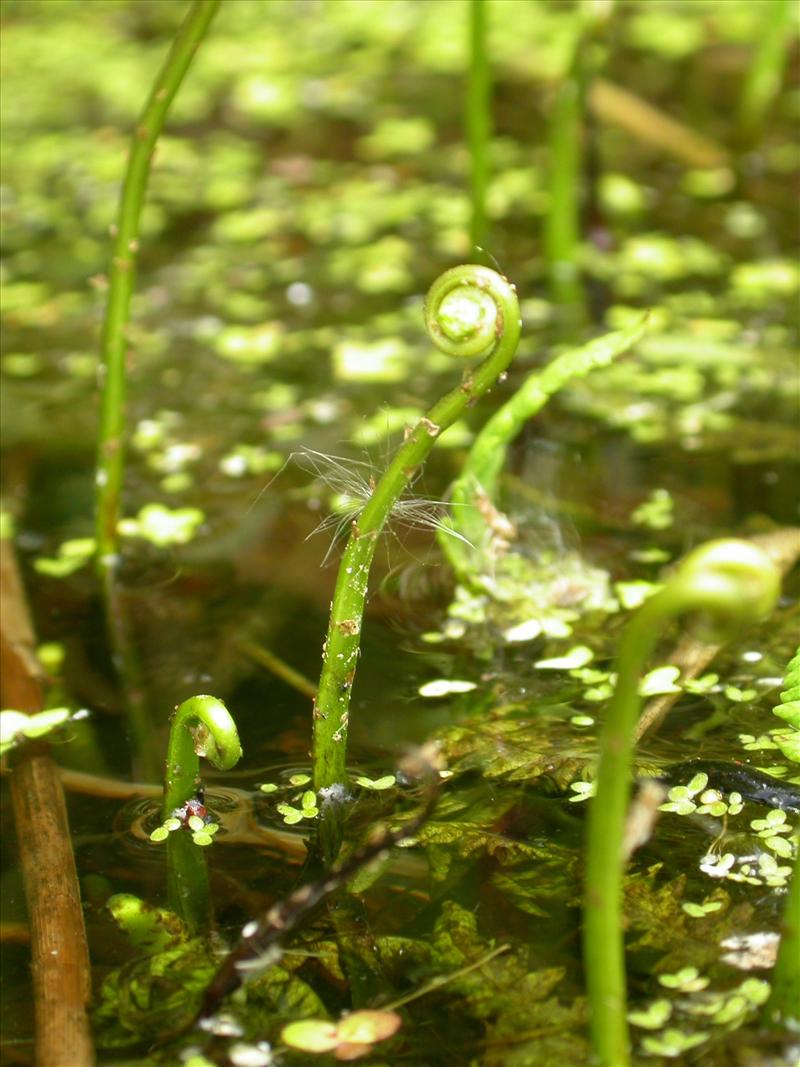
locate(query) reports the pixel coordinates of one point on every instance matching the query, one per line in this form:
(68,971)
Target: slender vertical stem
(562,223)
(478,119)
(783,1007)
(735,583)
(111,450)
(763,79)
(470,311)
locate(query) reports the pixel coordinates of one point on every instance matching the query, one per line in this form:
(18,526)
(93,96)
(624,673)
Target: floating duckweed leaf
(523,631)
(16,725)
(368,1027)
(632,595)
(656,513)
(311,1035)
(268,787)
(653,1017)
(673,1042)
(72,555)
(299,779)
(377,361)
(161,833)
(578,656)
(697,911)
(250,345)
(443,687)
(687,980)
(172,823)
(194,822)
(202,838)
(377,784)
(660,681)
(737,695)
(164,526)
(582,791)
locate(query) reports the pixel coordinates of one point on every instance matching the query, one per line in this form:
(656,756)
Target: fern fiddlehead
(734,583)
(470,311)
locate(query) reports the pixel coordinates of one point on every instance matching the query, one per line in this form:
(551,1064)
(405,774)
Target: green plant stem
(735,583)
(562,222)
(783,1007)
(764,75)
(470,311)
(486,458)
(111,445)
(478,119)
(201,726)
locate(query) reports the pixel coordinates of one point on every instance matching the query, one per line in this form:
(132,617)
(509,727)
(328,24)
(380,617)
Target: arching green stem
(735,583)
(115,350)
(486,458)
(470,311)
(201,726)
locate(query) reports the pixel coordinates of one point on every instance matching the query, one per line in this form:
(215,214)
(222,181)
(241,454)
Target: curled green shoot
(470,312)
(477,483)
(734,583)
(201,726)
(115,346)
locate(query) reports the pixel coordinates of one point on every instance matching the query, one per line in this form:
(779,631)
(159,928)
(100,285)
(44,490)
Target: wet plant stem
(734,583)
(481,471)
(201,726)
(115,350)
(478,119)
(470,311)
(763,79)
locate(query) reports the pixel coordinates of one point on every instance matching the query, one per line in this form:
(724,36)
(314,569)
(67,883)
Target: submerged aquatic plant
(201,726)
(115,340)
(735,583)
(470,312)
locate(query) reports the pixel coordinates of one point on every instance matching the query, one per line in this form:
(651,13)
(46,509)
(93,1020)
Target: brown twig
(59,953)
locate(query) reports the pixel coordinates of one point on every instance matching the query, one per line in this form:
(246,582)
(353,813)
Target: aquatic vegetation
(301,197)
(480,555)
(201,726)
(470,312)
(734,582)
(116,341)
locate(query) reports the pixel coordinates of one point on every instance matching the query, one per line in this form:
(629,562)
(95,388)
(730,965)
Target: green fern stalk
(201,726)
(735,583)
(115,344)
(486,459)
(470,311)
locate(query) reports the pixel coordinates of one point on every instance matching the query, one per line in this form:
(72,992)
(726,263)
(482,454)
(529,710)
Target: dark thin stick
(258,947)
(59,954)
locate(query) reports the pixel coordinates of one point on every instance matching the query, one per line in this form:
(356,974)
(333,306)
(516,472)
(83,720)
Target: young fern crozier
(470,312)
(201,726)
(735,583)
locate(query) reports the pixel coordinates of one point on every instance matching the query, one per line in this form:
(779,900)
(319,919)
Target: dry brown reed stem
(59,953)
